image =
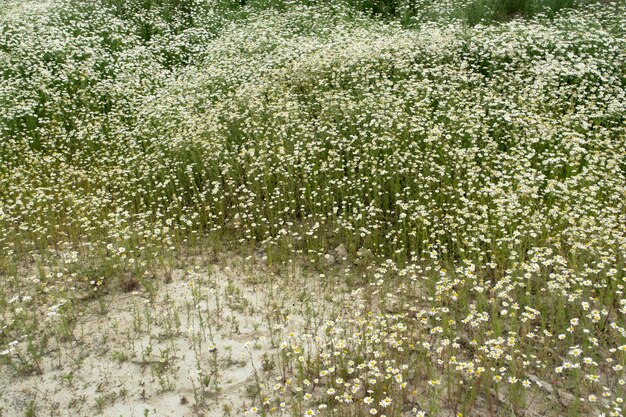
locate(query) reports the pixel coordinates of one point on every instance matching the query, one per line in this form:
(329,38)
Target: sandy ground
(139,357)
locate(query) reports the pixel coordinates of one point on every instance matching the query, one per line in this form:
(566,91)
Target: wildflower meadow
(340,208)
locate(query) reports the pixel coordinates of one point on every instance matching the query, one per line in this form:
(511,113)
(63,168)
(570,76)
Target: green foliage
(468,11)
